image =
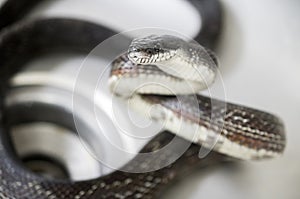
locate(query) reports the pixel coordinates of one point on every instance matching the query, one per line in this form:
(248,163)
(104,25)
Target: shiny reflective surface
(44,135)
(54,152)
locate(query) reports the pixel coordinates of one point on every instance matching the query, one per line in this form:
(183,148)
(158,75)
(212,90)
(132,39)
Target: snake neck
(190,63)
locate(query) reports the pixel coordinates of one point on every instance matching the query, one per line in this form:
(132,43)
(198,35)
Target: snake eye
(149,51)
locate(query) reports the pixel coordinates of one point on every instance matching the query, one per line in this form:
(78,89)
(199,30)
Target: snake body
(172,66)
(21,42)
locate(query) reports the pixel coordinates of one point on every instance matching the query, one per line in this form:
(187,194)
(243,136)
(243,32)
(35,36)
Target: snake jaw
(143,56)
(138,56)
(150,56)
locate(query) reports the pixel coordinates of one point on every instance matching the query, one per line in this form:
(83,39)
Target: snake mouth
(139,57)
(143,60)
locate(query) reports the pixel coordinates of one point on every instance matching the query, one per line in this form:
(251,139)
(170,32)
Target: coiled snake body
(261,133)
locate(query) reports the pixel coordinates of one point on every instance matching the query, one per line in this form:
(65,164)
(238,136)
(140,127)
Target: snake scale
(21,42)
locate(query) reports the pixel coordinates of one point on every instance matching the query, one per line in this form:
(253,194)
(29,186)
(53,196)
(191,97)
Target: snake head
(152,49)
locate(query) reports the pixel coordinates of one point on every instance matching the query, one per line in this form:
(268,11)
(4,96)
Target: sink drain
(46,166)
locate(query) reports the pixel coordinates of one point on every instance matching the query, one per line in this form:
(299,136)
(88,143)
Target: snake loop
(20,42)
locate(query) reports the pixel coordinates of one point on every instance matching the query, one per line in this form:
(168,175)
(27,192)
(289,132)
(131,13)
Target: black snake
(21,42)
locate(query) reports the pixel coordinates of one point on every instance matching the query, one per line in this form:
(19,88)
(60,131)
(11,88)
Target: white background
(259,56)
